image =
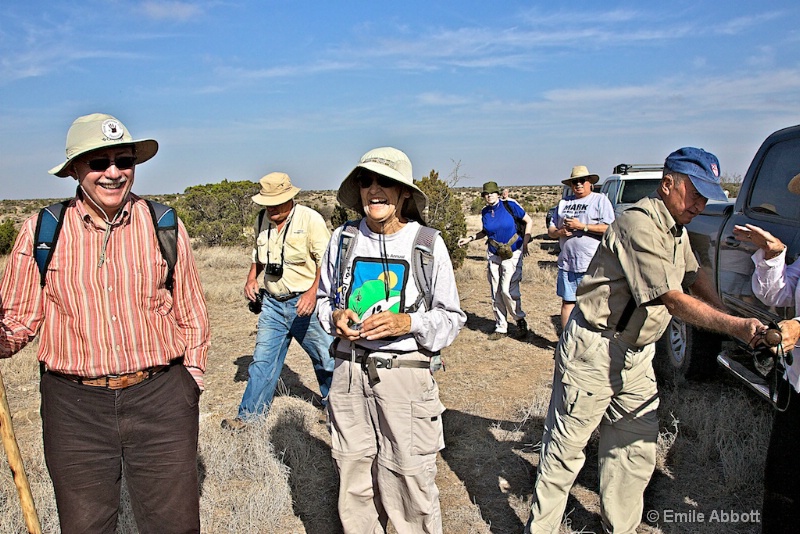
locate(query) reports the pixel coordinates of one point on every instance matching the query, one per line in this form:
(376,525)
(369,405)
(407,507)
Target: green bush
(445,214)
(219,214)
(8,234)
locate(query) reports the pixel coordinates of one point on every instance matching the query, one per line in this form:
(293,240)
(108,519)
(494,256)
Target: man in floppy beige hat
(578,223)
(290,241)
(386,424)
(123,343)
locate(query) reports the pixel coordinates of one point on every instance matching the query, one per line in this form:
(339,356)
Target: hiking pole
(16,465)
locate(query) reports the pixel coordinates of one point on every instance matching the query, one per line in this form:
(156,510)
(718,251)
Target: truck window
(635,190)
(769,194)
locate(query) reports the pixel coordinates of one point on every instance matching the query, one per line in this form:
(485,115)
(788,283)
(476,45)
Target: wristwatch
(585,228)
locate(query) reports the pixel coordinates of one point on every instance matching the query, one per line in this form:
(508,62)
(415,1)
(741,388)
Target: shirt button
(113,317)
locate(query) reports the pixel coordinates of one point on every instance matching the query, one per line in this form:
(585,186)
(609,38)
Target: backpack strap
(165,222)
(48,227)
(346,238)
(422,263)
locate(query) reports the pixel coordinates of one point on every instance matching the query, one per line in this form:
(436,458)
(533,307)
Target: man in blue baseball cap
(638,279)
(701,167)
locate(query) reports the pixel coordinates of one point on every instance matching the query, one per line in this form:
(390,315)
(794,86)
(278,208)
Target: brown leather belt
(115,381)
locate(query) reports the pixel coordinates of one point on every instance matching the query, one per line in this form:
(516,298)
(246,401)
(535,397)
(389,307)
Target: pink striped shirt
(113,319)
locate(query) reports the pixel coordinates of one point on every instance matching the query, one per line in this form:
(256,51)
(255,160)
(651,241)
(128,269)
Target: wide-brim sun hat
(701,167)
(393,164)
(581,171)
(276,188)
(100,130)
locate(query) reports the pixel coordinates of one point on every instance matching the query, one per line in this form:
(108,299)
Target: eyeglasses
(120,162)
(577,181)
(365,181)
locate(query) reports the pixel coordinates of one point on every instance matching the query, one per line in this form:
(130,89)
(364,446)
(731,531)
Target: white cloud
(181,11)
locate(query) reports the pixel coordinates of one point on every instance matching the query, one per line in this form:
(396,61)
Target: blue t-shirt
(498,223)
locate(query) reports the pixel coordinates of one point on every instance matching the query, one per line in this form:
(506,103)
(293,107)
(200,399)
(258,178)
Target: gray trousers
(598,381)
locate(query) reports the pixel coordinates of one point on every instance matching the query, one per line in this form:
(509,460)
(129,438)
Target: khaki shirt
(301,243)
(643,255)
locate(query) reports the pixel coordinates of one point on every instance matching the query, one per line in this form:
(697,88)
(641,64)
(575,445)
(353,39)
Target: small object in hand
(356,326)
(773,337)
(255,305)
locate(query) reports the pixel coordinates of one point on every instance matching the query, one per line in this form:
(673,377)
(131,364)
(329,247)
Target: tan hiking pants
(385,437)
(598,380)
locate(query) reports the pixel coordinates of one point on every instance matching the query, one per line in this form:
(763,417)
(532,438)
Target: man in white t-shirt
(579,222)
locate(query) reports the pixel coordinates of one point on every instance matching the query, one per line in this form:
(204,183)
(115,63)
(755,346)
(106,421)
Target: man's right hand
(251,289)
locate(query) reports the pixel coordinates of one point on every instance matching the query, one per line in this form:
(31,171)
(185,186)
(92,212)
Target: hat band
(383,161)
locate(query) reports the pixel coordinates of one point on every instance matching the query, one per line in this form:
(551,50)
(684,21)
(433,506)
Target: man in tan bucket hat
(290,241)
(123,339)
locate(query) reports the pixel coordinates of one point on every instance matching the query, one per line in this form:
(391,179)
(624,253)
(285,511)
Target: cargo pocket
(427,436)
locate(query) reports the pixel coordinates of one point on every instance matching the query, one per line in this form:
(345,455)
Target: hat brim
(708,190)
(276,200)
(145,149)
(794,185)
(349,194)
(592,178)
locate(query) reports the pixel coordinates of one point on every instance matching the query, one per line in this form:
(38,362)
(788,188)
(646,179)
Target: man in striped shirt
(122,356)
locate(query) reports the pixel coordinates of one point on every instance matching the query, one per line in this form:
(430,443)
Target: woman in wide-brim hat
(385,412)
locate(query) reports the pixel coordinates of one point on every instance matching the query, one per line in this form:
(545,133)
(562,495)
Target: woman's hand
(771,245)
(344,320)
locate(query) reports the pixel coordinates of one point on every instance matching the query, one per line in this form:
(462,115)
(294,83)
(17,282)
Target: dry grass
(278,477)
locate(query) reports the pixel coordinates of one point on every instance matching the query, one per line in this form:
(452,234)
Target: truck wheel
(688,352)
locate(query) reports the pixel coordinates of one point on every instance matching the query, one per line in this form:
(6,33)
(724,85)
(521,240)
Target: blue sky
(516,92)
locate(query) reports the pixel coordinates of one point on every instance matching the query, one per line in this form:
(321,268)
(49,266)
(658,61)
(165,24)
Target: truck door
(766,203)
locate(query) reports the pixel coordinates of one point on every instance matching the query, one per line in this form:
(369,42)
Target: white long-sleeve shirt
(366,289)
(775,284)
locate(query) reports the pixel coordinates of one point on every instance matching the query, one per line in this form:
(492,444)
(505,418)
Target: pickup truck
(765,201)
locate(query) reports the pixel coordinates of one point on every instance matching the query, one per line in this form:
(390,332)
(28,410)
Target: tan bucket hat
(389,162)
(276,188)
(100,130)
(580,171)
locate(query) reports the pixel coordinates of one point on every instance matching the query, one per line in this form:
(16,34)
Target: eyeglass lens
(365,181)
(121,162)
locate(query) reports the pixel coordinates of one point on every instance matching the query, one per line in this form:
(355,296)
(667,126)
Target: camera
(274,269)
(255,305)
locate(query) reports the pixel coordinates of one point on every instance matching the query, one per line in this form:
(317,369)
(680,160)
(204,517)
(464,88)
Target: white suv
(630,183)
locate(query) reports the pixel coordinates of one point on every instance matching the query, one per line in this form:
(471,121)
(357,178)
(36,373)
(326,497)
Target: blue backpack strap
(48,227)
(165,221)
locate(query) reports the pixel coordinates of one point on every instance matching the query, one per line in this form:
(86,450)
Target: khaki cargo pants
(598,380)
(384,440)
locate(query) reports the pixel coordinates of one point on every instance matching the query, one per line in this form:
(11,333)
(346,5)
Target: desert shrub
(476,205)
(219,214)
(341,215)
(445,214)
(8,234)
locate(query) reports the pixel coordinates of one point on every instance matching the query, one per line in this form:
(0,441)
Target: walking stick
(16,465)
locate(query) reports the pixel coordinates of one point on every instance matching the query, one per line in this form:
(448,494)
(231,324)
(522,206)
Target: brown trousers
(148,431)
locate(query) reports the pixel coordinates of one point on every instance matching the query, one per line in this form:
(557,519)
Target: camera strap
(285,232)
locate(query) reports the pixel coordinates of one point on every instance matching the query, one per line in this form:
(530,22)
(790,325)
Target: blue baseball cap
(701,167)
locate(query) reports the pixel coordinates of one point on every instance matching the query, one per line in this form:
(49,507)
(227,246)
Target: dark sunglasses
(121,162)
(365,181)
(577,181)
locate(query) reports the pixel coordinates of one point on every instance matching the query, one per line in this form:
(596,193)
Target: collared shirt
(114,317)
(298,246)
(642,255)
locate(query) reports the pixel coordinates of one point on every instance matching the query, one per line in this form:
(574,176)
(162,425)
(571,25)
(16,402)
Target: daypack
(48,228)
(421,262)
